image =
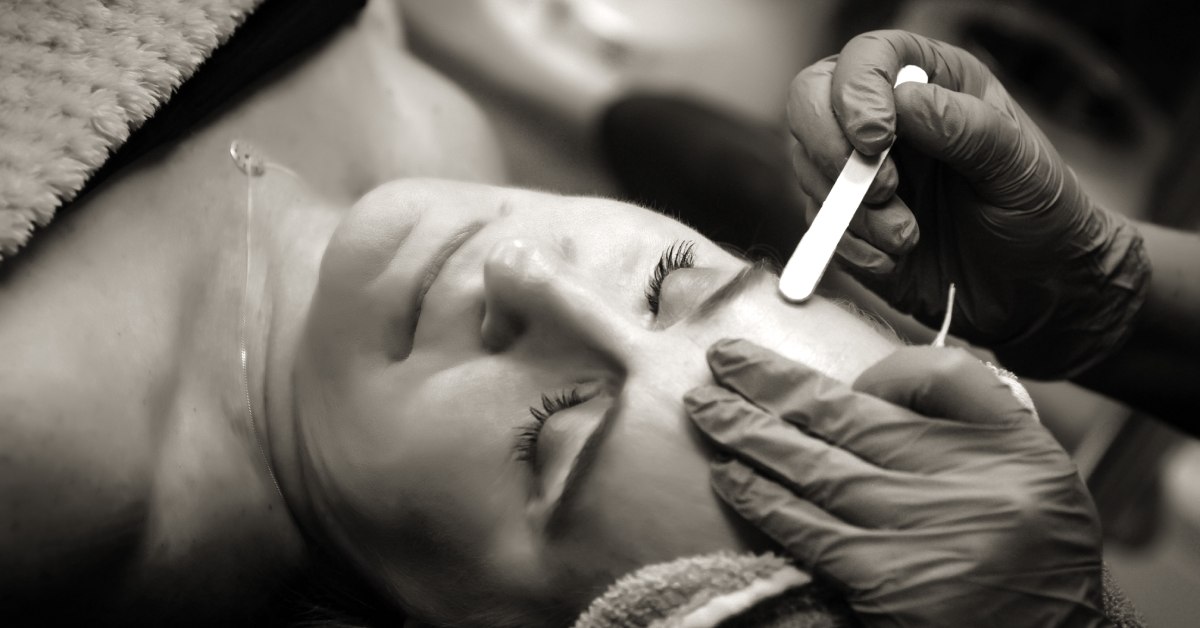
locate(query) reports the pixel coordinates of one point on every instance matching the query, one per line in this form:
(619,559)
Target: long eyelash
(526,444)
(527,435)
(679,255)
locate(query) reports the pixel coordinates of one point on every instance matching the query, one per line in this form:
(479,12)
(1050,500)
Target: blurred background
(679,105)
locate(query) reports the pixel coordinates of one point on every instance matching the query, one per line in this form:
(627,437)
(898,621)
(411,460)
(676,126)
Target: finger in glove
(820,136)
(828,476)
(887,225)
(877,431)
(863,80)
(943,382)
(806,531)
(884,431)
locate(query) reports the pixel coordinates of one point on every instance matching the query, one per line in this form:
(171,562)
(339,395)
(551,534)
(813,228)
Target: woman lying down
(235,388)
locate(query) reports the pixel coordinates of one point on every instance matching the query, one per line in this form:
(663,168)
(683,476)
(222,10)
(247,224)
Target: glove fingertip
(868,114)
(891,228)
(942,382)
(863,257)
(754,371)
(731,478)
(728,352)
(713,409)
(884,185)
(698,398)
(870,137)
(910,233)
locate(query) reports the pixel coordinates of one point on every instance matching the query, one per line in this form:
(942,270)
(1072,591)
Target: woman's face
(489,403)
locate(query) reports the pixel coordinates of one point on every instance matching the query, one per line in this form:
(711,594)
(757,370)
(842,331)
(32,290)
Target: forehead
(380,211)
(603,220)
(368,237)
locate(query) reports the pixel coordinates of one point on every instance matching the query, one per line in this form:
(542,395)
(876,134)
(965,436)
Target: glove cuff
(1094,319)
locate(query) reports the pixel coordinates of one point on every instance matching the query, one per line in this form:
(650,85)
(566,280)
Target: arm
(1158,368)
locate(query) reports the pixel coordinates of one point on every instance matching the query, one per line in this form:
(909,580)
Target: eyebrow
(744,279)
(584,461)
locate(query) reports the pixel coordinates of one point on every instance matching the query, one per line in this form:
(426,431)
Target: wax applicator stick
(806,266)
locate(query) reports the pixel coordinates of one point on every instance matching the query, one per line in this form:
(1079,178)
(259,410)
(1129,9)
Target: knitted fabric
(76,78)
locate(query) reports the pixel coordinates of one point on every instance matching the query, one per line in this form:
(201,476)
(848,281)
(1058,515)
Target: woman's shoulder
(74,487)
(89,322)
(107,447)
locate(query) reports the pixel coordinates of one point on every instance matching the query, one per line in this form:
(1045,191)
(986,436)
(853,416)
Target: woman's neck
(233,503)
(288,228)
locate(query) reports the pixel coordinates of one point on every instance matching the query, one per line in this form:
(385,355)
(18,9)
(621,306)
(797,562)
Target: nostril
(530,289)
(516,275)
(499,328)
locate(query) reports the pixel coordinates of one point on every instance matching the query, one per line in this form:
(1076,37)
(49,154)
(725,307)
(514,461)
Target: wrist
(1096,303)
(1156,368)
(1172,309)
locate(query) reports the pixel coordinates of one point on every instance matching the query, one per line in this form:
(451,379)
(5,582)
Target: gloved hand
(1045,278)
(928,492)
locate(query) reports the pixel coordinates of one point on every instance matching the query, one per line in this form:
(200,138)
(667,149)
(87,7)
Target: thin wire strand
(940,340)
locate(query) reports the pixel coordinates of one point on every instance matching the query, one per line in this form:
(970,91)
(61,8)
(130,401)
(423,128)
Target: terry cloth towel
(76,78)
(747,591)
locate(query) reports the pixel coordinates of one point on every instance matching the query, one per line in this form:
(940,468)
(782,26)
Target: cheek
(432,446)
(649,499)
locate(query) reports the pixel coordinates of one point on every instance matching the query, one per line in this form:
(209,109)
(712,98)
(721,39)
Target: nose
(529,287)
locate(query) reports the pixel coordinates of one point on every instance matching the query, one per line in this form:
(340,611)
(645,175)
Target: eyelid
(527,439)
(683,292)
(679,254)
(572,441)
(557,402)
(582,461)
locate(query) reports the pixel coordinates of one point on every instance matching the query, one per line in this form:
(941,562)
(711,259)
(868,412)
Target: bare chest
(123,470)
(110,449)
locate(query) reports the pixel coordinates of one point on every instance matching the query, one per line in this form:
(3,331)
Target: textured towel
(76,78)
(747,591)
(717,589)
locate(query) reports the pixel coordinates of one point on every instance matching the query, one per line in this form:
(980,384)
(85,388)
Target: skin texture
(401,453)
(131,479)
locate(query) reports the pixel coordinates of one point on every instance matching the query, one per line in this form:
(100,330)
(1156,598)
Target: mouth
(431,270)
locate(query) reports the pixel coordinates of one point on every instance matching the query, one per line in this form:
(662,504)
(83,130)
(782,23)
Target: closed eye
(680,254)
(525,445)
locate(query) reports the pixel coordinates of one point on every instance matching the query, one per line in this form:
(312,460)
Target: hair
(337,603)
(334,596)
(873,320)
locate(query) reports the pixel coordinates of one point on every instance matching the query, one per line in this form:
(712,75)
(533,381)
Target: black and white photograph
(600,313)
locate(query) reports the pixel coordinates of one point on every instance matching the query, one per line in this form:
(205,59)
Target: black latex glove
(1045,278)
(928,491)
